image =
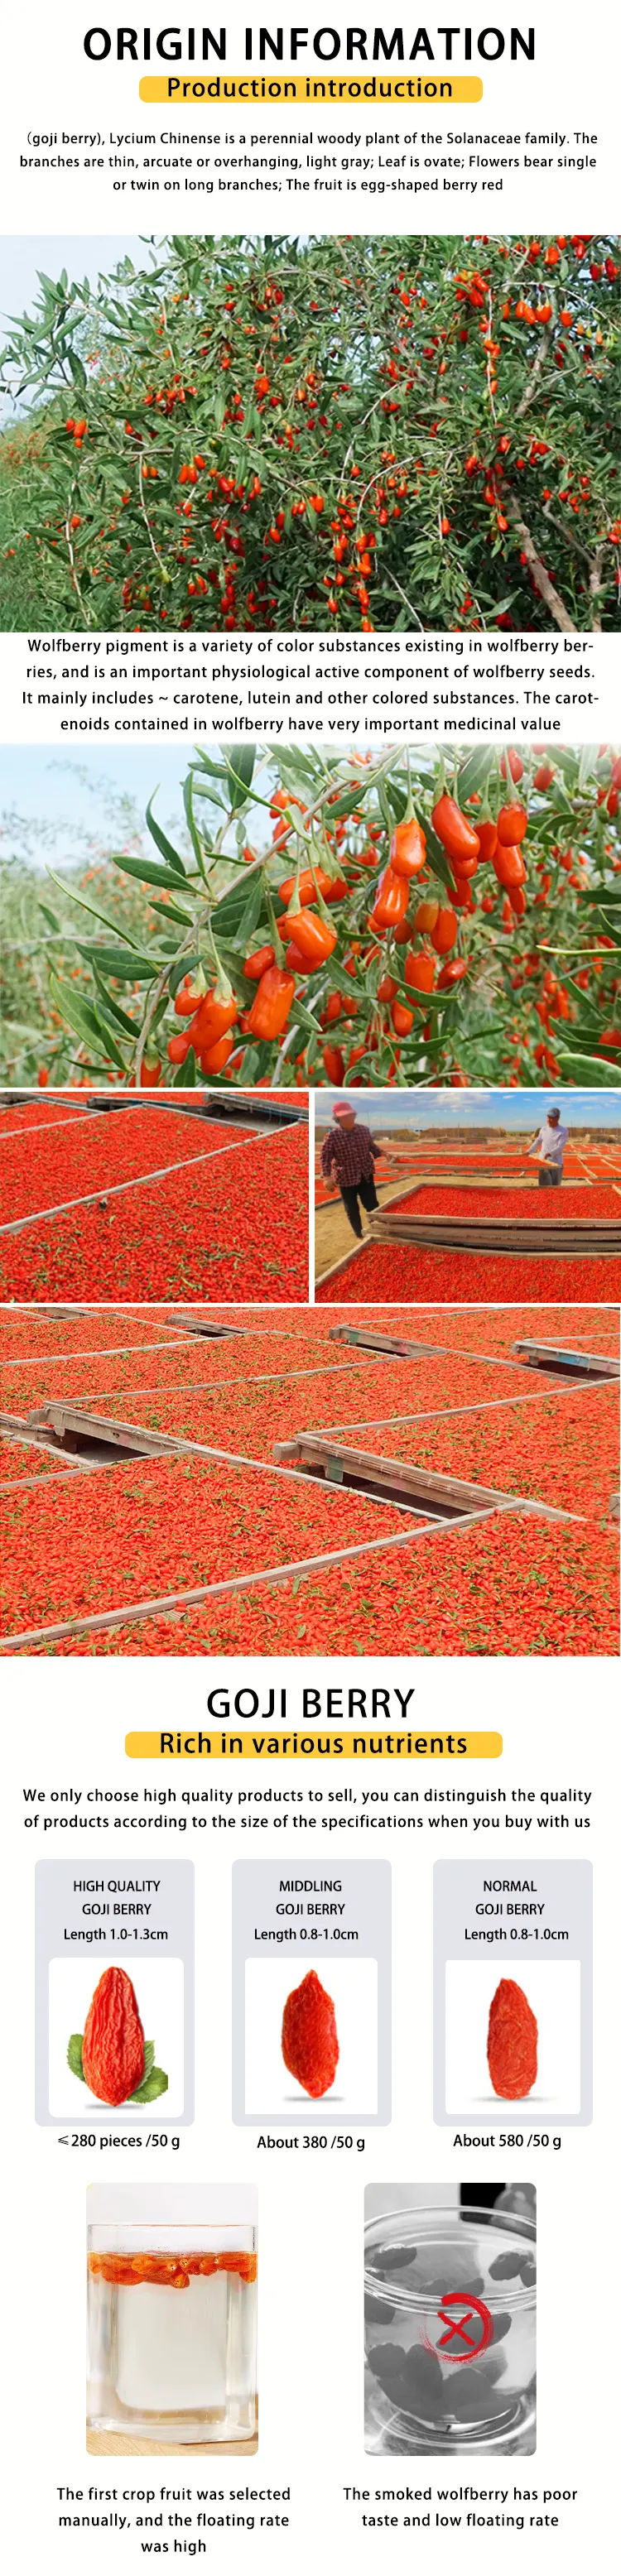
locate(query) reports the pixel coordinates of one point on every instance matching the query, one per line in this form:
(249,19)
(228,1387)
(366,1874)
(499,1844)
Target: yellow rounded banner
(267,89)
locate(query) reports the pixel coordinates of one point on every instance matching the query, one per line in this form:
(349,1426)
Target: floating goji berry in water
(511,2042)
(113,2042)
(309,2042)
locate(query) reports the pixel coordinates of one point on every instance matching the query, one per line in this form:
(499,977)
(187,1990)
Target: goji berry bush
(372,431)
(104,1539)
(159,1202)
(388,919)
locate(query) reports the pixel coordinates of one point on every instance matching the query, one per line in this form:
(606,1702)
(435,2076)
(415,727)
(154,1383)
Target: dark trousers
(363,1191)
(550,1176)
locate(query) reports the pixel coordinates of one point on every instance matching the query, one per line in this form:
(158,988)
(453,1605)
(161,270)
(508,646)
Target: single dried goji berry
(113,2043)
(511,2042)
(309,2042)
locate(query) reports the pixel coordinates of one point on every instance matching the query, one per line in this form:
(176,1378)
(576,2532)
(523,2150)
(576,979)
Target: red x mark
(456,2326)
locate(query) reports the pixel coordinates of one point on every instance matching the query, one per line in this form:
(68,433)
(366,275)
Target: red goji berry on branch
(227,968)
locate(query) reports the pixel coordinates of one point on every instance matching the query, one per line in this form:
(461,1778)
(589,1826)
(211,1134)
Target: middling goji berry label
(511,2042)
(309,2039)
(113,2043)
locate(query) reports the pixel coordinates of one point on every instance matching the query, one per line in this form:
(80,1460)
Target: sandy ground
(333,1233)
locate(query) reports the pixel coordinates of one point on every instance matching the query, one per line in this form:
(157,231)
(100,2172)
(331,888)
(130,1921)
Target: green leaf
(214,768)
(230,909)
(250,1067)
(176,912)
(50,917)
(239,764)
(153,2085)
(113,1009)
(149,2057)
(147,872)
(184,1077)
(73,897)
(348,803)
(84,1021)
(162,842)
(473,773)
(189,816)
(437,858)
(74,2055)
(589,757)
(302,1019)
(125,963)
(596,1070)
(185,965)
(252,909)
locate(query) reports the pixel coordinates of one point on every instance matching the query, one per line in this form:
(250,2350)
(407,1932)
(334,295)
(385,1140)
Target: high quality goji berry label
(511,2042)
(309,2038)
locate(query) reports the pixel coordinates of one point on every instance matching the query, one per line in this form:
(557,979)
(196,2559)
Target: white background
(552,1988)
(559,1723)
(65,1722)
(158,1987)
(352,1983)
(50,86)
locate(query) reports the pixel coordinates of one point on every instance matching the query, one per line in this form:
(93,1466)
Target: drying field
(150,1201)
(148,1508)
(465,1187)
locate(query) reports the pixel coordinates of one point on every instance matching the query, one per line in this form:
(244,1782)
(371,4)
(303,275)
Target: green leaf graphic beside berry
(111,2055)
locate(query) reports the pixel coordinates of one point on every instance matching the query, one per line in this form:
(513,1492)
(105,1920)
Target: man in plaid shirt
(348,1155)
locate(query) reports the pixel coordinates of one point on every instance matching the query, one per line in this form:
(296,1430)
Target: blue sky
(91,255)
(74,795)
(83,255)
(521,1110)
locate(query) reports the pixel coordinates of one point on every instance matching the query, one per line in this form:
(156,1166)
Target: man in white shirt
(549,1146)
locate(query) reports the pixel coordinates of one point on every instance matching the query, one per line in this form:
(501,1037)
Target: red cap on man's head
(343,1109)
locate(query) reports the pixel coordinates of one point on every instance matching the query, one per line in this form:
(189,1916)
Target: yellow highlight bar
(218,1746)
(260,89)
